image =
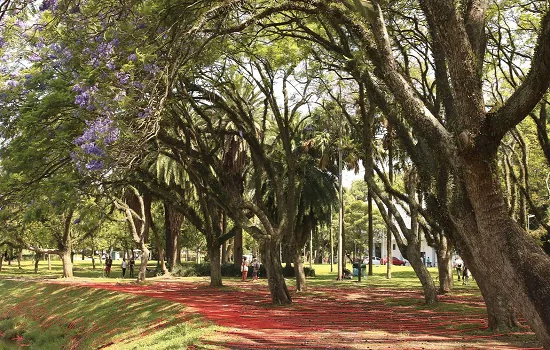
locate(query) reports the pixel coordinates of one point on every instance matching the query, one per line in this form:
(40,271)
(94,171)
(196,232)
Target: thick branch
(526,97)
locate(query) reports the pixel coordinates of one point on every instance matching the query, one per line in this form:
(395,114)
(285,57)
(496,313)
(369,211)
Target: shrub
(227,270)
(288,271)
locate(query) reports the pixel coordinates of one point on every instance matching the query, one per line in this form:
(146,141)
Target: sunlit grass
(81,268)
(49,316)
(402,277)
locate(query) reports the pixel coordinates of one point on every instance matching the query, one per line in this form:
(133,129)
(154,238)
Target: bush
(230,270)
(227,270)
(288,271)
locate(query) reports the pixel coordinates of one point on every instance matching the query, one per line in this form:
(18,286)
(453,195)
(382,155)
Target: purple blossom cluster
(144,113)
(104,52)
(84,96)
(123,78)
(12,83)
(100,130)
(99,133)
(151,68)
(48,5)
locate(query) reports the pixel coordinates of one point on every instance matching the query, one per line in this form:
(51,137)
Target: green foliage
(227,270)
(288,271)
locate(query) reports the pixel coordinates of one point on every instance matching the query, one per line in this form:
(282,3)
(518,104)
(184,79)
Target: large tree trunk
(36,261)
(142,275)
(238,247)
(299,269)
(19,258)
(428,285)
(173,220)
(444,267)
(163,266)
(276,282)
(93,256)
(215,267)
(413,245)
(67,263)
(501,315)
(502,248)
(139,227)
(156,234)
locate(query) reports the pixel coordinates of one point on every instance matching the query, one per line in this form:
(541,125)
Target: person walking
(123,265)
(244,269)
(458,266)
(255,268)
(108,264)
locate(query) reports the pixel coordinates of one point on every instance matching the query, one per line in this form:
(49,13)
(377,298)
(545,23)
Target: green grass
(49,316)
(403,277)
(81,268)
(43,314)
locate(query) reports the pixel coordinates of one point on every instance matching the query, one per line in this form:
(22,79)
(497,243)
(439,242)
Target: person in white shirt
(244,269)
(458,266)
(123,267)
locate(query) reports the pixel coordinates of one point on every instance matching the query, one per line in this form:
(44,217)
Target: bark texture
(215,265)
(275,280)
(173,221)
(521,260)
(299,270)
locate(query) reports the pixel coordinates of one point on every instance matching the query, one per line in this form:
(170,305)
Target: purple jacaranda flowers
(98,134)
(99,129)
(84,96)
(151,68)
(12,83)
(92,148)
(94,164)
(123,78)
(48,5)
(34,57)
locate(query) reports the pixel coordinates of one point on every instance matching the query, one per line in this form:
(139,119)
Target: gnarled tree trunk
(299,269)
(238,247)
(173,220)
(275,280)
(215,266)
(67,263)
(444,269)
(522,264)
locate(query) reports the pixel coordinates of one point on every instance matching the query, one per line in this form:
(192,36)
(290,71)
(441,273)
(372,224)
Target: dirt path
(330,318)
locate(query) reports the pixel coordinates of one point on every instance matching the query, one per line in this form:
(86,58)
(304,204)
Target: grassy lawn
(49,316)
(54,316)
(403,277)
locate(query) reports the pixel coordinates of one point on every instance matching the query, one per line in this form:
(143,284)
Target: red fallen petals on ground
(321,318)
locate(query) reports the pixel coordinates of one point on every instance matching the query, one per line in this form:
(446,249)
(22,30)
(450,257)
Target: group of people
(255,265)
(462,271)
(109,262)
